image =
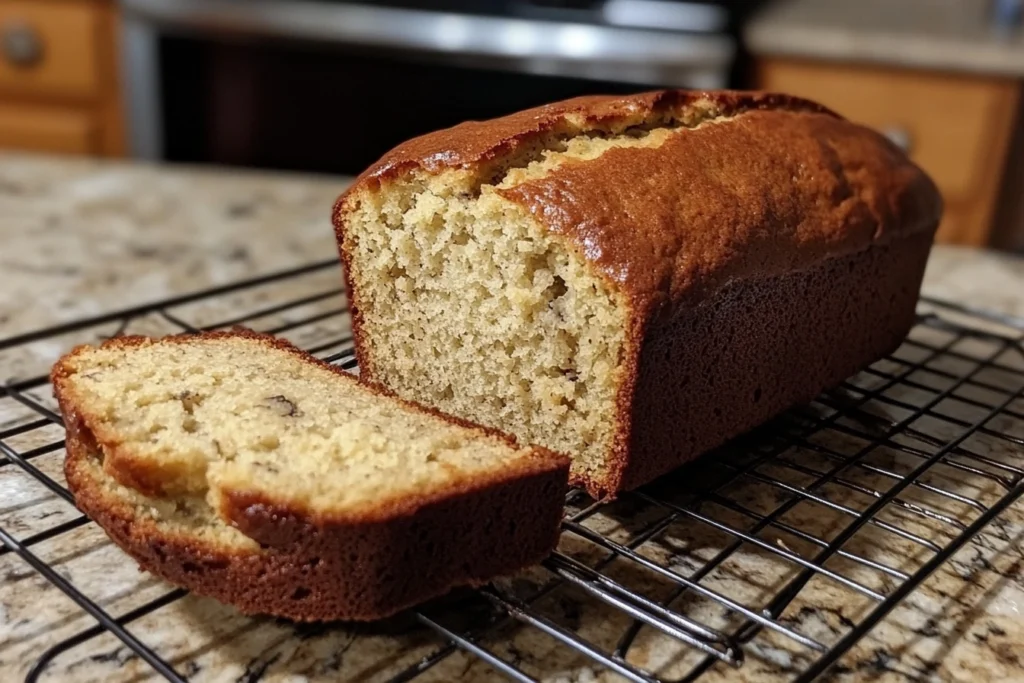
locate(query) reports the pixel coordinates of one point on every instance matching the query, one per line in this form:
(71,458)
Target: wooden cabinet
(59,89)
(47,129)
(958,128)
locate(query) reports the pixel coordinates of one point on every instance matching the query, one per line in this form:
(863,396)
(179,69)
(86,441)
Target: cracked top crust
(748,185)
(480,142)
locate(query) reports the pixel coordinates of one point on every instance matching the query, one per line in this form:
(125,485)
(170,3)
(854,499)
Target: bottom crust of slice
(307,571)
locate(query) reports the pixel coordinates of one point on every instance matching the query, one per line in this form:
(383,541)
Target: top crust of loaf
(478,142)
(753,185)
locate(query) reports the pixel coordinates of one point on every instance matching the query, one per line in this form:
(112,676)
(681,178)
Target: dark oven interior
(315,108)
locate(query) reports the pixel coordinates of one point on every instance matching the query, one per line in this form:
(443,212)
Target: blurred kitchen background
(328,86)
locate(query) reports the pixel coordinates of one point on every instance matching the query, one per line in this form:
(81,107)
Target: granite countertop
(80,238)
(949,35)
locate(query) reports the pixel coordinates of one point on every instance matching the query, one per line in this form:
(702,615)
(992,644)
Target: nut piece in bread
(244,469)
(634,280)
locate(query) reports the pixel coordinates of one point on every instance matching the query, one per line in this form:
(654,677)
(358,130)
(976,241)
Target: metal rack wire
(782,551)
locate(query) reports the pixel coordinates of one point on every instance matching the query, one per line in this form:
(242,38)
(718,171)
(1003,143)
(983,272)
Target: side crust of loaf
(305,566)
(760,347)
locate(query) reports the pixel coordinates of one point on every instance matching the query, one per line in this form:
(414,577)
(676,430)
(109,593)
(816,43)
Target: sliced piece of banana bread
(633,280)
(242,468)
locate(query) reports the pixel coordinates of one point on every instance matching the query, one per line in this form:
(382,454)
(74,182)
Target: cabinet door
(45,129)
(49,47)
(957,128)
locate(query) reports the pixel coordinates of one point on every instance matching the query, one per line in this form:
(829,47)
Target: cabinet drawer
(49,47)
(44,129)
(956,128)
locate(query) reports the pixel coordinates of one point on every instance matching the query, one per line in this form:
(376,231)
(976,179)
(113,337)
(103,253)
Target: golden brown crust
(479,142)
(313,566)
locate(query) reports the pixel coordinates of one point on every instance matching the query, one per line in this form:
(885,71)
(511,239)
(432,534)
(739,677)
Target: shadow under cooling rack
(801,546)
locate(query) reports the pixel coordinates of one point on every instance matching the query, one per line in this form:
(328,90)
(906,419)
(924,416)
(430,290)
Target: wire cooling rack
(827,538)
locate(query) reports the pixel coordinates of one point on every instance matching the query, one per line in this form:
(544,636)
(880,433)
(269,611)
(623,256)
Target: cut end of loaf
(483,315)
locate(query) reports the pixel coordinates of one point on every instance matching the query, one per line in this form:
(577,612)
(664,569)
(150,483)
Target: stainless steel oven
(327,86)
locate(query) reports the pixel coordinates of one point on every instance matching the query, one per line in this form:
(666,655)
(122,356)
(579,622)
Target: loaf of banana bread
(241,468)
(634,280)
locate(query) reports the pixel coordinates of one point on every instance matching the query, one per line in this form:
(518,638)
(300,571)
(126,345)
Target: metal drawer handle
(899,136)
(22,44)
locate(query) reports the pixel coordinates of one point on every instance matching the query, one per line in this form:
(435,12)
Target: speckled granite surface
(80,239)
(951,35)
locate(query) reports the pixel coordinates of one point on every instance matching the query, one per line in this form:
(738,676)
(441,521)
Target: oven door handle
(586,50)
